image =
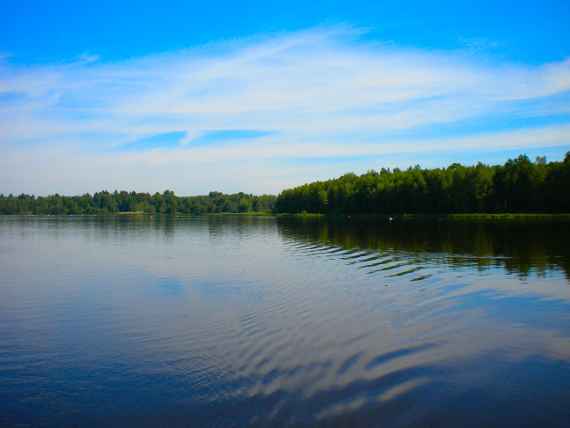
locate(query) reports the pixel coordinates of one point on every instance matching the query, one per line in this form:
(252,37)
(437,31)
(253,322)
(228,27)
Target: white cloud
(323,93)
(87,58)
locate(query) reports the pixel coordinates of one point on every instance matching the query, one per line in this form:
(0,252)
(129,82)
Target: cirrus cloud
(321,93)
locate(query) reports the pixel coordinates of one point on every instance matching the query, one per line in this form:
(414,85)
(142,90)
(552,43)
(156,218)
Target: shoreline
(474,217)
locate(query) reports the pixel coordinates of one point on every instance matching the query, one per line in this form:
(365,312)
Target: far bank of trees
(117,202)
(520,185)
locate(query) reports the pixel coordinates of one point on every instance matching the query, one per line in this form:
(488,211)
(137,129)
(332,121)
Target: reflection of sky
(223,310)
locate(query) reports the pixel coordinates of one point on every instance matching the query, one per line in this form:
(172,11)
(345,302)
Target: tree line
(116,202)
(519,185)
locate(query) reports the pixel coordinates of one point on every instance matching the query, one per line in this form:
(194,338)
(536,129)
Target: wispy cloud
(312,94)
(87,58)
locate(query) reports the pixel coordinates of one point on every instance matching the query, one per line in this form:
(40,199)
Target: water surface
(237,321)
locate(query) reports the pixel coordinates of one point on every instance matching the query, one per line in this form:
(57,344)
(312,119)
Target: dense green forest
(117,202)
(519,185)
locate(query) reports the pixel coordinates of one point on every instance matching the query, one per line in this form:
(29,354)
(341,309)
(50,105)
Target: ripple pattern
(238,322)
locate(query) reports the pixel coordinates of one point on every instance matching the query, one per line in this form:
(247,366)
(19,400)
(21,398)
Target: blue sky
(257,96)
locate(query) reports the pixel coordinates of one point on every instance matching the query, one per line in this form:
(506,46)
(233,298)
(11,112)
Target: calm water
(229,321)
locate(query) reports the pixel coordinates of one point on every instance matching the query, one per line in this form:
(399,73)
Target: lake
(243,321)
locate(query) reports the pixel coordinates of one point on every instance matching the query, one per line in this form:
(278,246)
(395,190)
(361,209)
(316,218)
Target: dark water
(229,321)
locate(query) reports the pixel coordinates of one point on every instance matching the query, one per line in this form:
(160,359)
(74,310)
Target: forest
(518,186)
(120,202)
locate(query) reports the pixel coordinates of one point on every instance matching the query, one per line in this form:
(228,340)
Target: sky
(258,96)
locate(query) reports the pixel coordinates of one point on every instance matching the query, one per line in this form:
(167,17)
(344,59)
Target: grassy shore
(130,213)
(186,215)
(472,217)
(466,217)
(247,214)
(304,215)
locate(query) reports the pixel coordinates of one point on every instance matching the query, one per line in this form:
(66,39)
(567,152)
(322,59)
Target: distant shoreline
(467,217)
